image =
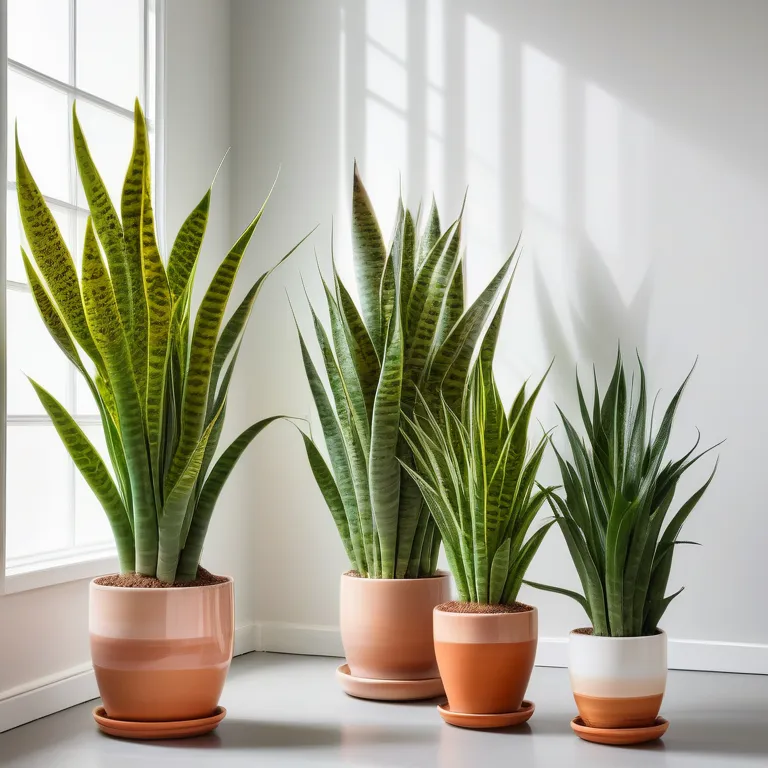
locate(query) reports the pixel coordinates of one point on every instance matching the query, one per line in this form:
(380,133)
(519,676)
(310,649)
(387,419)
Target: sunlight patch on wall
(386,120)
(386,24)
(435,103)
(601,169)
(483,150)
(342,244)
(543,134)
(543,168)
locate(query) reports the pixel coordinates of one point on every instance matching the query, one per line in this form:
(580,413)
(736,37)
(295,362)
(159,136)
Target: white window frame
(87,562)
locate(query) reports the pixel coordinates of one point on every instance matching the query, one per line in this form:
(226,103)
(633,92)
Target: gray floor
(288,711)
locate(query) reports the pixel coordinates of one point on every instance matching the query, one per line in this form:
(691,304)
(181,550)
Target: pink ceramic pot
(161,654)
(386,626)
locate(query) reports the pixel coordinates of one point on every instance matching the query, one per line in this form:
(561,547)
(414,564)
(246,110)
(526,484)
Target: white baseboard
(304,639)
(698,655)
(45,696)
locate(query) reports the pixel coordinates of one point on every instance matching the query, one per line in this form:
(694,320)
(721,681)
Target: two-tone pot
(485,659)
(386,625)
(618,682)
(161,655)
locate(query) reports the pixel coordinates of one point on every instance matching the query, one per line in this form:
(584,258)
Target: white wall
(628,141)
(44,633)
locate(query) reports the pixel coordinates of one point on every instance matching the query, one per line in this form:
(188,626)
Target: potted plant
(411,330)
(478,477)
(618,491)
(161,630)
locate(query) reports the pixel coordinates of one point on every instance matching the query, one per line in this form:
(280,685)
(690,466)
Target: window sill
(73,568)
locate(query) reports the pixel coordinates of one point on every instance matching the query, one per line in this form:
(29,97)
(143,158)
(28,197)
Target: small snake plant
(158,374)
(618,491)
(411,330)
(479,481)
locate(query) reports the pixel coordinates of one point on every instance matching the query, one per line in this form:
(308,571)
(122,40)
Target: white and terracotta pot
(386,626)
(161,655)
(618,682)
(485,659)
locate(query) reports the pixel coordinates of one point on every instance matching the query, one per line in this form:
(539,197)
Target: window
(103,55)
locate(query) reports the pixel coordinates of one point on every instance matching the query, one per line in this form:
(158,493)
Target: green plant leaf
(86,458)
(51,255)
(132,292)
(186,247)
(206,330)
(499,572)
(580,599)
(360,523)
(330,491)
(107,332)
(384,470)
(190,555)
(370,257)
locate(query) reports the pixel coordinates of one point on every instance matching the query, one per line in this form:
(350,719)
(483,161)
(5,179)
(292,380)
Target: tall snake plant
(618,492)
(411,330)
(160,380)
(479,481)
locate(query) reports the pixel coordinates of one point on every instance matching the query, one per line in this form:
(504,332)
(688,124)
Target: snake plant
(479,481)
(411,330)
(158,374)
(618,491)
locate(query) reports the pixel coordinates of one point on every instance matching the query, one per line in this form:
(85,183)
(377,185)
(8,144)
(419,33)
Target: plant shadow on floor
(741,733)
(238,734)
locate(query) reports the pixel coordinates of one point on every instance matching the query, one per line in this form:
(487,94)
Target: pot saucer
(504,720)
(620,736)
(180,729)
(388,690)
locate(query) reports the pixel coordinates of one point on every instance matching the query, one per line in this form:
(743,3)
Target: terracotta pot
(386,626)
(618,682)
(161,654)
(485,659)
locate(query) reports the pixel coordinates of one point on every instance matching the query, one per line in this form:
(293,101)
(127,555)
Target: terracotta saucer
(620,736)
(180,729)
(388,690)
(465,720)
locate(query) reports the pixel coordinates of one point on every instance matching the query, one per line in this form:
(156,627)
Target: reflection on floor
(287,711)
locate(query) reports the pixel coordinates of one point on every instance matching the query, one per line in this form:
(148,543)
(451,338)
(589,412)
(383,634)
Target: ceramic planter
(618,682)
(386,626)
(161,655)
(485,659)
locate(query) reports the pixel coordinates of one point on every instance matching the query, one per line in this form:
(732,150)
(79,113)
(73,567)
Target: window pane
(38,35)
(38,476)
(110,139)
(43,120)
(33,352)
(109,47)
(91,525)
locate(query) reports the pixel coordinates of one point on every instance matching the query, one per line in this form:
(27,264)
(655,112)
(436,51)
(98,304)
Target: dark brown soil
(590,631)
(357,575)
(139,581)
(458,607)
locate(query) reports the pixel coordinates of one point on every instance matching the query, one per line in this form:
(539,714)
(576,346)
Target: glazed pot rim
(154,590)
(659,633)
(438,609)
(371,580)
